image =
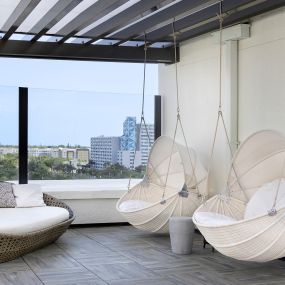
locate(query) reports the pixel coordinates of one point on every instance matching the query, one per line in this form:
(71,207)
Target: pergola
(113,30)
(110,30)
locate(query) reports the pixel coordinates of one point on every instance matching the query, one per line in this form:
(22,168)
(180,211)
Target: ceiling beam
(53,16)
(165,13)
(21,12)
(49,50)
(192,19)
(117,18)
(93,13)
(233,18)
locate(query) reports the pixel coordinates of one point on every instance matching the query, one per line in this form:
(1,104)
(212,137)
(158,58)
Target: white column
(231,89)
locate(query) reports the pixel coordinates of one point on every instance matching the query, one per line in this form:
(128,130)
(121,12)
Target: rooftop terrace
(123,255)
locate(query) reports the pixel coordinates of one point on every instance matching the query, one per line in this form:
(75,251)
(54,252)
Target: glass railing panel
(9,159)
(87,135)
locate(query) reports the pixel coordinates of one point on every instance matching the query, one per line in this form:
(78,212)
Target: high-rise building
(127,158)
(128,139)
(145,141)
(130,150)
(104,150)
(134,138)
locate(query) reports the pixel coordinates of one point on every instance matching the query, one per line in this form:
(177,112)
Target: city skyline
(131,149)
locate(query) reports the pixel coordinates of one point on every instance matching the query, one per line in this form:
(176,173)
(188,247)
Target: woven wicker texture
(7,199)
(260,159)
(13,246)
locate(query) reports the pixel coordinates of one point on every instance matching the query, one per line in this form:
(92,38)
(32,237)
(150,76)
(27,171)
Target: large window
(87,135)
(8,133)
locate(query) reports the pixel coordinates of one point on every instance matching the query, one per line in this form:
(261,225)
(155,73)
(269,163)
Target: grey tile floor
(122,255)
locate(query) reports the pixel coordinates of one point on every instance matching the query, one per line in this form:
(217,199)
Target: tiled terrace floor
(123,255)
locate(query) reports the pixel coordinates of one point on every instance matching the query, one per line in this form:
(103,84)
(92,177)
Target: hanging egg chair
(248,222)
(171,187)
(175,180)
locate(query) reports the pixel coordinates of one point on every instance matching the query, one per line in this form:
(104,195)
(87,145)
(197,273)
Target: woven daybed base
(13,246)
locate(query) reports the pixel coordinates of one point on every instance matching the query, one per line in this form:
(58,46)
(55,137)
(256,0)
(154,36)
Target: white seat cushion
(133,205)
(263,199)
(212,219)
(26,220)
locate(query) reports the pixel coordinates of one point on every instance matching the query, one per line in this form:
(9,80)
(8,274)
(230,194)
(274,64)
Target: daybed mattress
(26,220)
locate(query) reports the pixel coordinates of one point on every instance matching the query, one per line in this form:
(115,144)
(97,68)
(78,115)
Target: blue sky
(70,101)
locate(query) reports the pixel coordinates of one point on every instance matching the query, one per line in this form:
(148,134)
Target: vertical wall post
(231,37)
(157,116)
(23,135)
(232,88)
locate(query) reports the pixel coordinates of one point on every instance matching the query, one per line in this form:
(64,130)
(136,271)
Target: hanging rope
(143,97)
(221,19)
(220,116)
(273,211)
(178,123)
(142,119)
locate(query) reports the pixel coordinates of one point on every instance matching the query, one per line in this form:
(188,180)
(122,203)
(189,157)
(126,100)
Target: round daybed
(13,245)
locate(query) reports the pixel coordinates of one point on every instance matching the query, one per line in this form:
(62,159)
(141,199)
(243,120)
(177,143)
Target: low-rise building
(8,149)
(83,155)
(43,151)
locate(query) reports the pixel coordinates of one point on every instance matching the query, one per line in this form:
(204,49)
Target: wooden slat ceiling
(114,29)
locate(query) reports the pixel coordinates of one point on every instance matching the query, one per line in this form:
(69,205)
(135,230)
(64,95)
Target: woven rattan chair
(13,246)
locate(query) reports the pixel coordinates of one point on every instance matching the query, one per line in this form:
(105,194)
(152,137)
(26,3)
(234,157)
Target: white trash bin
(181,231)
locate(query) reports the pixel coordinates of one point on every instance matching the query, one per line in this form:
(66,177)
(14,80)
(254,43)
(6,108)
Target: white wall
(261,89)
(262,76)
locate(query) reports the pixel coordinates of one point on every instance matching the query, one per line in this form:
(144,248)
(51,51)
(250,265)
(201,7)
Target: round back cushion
(263,199)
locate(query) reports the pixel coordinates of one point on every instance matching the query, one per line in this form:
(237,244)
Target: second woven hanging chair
(246,222)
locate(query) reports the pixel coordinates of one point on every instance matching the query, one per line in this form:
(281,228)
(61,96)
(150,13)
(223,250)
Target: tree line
(50,168)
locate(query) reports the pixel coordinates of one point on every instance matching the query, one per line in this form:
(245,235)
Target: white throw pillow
(262,201)
(133,205)
(28,195)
